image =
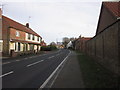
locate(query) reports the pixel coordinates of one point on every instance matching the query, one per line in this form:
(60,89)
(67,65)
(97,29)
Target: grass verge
(95,75)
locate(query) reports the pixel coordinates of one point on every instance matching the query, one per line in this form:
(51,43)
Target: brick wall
(5,37)
(13,34)
(105,48)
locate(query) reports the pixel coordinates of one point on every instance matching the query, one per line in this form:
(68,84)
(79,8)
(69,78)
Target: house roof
(19,26)
(83,38)
(86,38)
(113,7)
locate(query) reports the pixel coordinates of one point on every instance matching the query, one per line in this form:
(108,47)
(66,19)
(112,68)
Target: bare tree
(66,40)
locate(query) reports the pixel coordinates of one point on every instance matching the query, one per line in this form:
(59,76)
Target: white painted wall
(35,39)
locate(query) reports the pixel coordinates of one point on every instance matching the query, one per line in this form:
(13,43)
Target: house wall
(35,38)
(5,37)
(23,36)
(9,33)
(105,48)
(106,19)
(13,34)
(12,46)
(1,41)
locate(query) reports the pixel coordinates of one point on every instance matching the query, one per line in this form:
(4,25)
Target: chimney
(27,25)
(0,13)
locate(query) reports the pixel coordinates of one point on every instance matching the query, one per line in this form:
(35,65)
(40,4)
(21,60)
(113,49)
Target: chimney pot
(27,25)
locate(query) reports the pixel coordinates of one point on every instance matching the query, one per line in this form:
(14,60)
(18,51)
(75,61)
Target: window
(37,38)
(28,36)
(33,38)
(17,34)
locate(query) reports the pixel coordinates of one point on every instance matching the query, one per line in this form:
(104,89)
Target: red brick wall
(5,37)
(13,34)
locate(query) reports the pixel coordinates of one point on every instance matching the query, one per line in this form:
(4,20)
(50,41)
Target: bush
(45,48)
(48,48)
(53,47)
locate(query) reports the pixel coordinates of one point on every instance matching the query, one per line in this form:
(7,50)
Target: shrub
(48,48)
(45,48)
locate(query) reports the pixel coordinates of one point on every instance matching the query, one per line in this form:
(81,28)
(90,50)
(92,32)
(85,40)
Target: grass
(95,75)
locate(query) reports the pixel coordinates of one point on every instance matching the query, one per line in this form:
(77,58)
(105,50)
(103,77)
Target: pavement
(70,76)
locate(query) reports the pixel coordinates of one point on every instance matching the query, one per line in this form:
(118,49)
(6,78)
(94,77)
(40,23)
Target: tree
(66,40)
(53,44)
(72,39)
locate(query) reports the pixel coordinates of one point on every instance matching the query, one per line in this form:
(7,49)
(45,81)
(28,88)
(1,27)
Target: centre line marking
(6,62)
(17,60)
(6,74)
(34,63)
(25,58)
(51,57)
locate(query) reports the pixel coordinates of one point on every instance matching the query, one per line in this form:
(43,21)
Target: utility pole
(2,7)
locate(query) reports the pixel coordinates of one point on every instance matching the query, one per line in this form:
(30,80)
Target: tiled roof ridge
(11,20)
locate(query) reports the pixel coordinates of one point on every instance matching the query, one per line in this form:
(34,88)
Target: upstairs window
(37,38)
(28,36)
(17,34)
(33,38)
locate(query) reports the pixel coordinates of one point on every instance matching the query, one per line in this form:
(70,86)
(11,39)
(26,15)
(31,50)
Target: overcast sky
(55,19)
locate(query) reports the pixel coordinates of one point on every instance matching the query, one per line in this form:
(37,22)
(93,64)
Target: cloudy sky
(55,19)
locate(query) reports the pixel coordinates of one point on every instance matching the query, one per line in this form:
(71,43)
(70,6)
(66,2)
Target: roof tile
(114,7)
(19,26)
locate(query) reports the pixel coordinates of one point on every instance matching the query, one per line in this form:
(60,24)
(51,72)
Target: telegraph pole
(2,7)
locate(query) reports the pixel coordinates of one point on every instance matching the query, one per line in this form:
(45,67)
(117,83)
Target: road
(31,72)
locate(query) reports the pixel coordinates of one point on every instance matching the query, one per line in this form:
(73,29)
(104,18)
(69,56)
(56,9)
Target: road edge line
(6,74)
(47,80)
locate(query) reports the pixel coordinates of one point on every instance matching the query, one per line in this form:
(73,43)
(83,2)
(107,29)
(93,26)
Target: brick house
(1,33)
(105,45)
(80,43)
(18,38)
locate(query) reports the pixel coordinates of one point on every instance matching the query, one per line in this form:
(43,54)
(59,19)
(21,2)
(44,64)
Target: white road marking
(17,60)
(6,62)
(25,58)
(47,80)
(34,63)
(6,74)
(51,57)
